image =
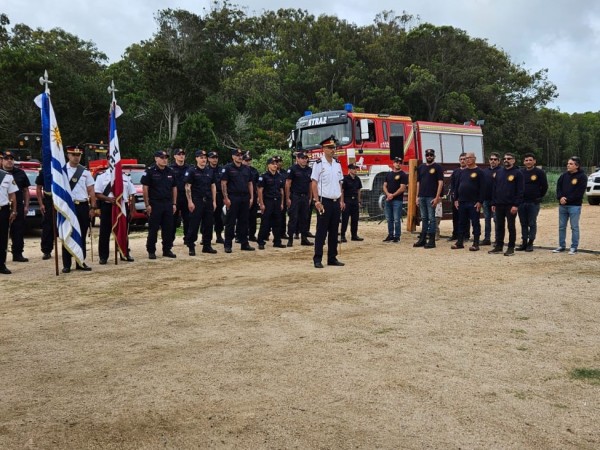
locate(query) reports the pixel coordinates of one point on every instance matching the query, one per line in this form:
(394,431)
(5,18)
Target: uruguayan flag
(53,160)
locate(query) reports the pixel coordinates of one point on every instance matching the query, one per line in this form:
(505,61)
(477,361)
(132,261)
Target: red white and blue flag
(119,212)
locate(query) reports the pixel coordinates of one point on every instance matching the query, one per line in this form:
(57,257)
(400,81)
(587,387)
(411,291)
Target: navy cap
(352,166)
(397,159)
(247,156)
(178,151)
(430,151)
(160,153)
(272,160)
(200,153)
(213,155)
(237,152)
(301,155)
(8,154)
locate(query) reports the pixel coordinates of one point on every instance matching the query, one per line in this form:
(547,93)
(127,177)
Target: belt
(333,200)
(354,197)
(5,206)
(300,195)
(80,202)
(275,199)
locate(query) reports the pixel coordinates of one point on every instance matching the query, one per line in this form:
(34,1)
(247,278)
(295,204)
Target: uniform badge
(474,175)
(494,175)
(397,177)
(432,171)
(574,181)
(533,177)
(74,180)
(511,177)
(260,178)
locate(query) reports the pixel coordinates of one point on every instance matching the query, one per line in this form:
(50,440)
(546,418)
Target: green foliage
(585,373)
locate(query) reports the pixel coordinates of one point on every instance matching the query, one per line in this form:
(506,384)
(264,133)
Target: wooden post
(411,224)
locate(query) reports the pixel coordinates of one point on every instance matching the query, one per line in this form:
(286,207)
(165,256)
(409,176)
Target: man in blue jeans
(570,189)
(394,187)
(430,182)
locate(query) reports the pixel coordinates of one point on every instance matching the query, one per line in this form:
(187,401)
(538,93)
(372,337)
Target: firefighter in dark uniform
(351,185)
(17,226)
(238,196)
(201,194)
(160,197)
(8,213)
(270,202)
(253,213)
(219,226)
(327,191)
(298,194)
(284,212)
(46,208)
(84,197)
(182,214)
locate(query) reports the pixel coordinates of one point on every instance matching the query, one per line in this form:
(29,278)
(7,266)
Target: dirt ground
(401,348)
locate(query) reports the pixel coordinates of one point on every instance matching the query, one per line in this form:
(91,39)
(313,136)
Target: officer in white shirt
(326,188)
(106,200)
(8,213)
(82,193)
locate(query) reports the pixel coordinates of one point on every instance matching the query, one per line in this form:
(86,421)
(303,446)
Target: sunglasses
(163,157)
(493,159)
(429,156)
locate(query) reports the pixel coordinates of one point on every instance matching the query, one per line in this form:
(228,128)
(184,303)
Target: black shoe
(529,247)
(208,249)
(47,256)
(496,250)
(310,235)
(151,255)
(458,245)
(486,242)
(396,240)
(296,236)
(247,248)
(356,238)
(85,267)
(335,262)
(452,238)
(318,265)
(306,242)
(290,242)
(19,258)
(127,258)
(192,252)
(219,240)
(280,245)
(169,254)
(227,249)
(102,261)
(388,238)
(510,251)
(66,270)
(237,240)
(343,239)
(252,238)
(522,247)
(261,246)
(5,271)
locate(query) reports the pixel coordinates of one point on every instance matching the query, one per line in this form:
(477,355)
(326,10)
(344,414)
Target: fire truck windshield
(310,138)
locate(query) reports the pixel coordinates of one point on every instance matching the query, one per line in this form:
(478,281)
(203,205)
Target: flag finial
(44,81)
(112,89)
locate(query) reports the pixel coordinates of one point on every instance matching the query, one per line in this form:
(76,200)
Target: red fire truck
(372,141)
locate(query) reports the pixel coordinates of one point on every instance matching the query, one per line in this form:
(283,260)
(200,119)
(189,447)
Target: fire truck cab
(372,141)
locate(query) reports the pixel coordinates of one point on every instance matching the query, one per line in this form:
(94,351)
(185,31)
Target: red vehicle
(33,216)
(372,141)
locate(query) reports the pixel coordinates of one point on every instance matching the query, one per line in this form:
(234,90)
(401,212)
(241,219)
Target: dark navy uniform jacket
(271,184)
(300,179)
(490,176)
(394,180)
(237,179)
(200,181)
(508,187)
(179,173)
(218,174)
(428,177)
(351,186)
(536,185)
(160,184)
(572,186)
(470,185)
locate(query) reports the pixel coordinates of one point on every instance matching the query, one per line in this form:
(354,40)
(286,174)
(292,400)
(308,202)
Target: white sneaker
(572,251)
(558,250)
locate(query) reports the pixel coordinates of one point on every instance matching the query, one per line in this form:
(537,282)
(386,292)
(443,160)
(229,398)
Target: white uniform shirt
(104,178)
(328,178)
(7,187)
(79,192)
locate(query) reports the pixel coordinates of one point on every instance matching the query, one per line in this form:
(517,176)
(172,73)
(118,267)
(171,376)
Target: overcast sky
(560,35)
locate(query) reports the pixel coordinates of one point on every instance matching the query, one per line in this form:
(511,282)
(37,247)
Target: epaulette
(318,161)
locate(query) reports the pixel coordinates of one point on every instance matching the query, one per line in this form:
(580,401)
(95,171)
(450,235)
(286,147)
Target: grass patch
(519,332)
(383,330)
(586,374)
(522,318)
(522,348)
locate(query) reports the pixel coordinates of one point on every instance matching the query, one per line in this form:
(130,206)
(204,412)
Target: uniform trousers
(328,225)
(82,211)
(299,212)
(181,215)
(270,220)
(200,219)
(47,241)
(468,214)
(17,228)
(237,219)
(504,217)
(350,213)
(161,217)
(4,224)
(106,210)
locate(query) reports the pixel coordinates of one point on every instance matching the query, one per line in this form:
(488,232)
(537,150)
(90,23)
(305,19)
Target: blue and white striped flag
(53,161)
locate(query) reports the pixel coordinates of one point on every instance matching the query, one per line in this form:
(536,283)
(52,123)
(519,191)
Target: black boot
(290,242)
(475,246)
(207,248)
(430,241)
(421,241)
(529,247)
(305,241)
(219,238)
(522,247)
(459,244)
